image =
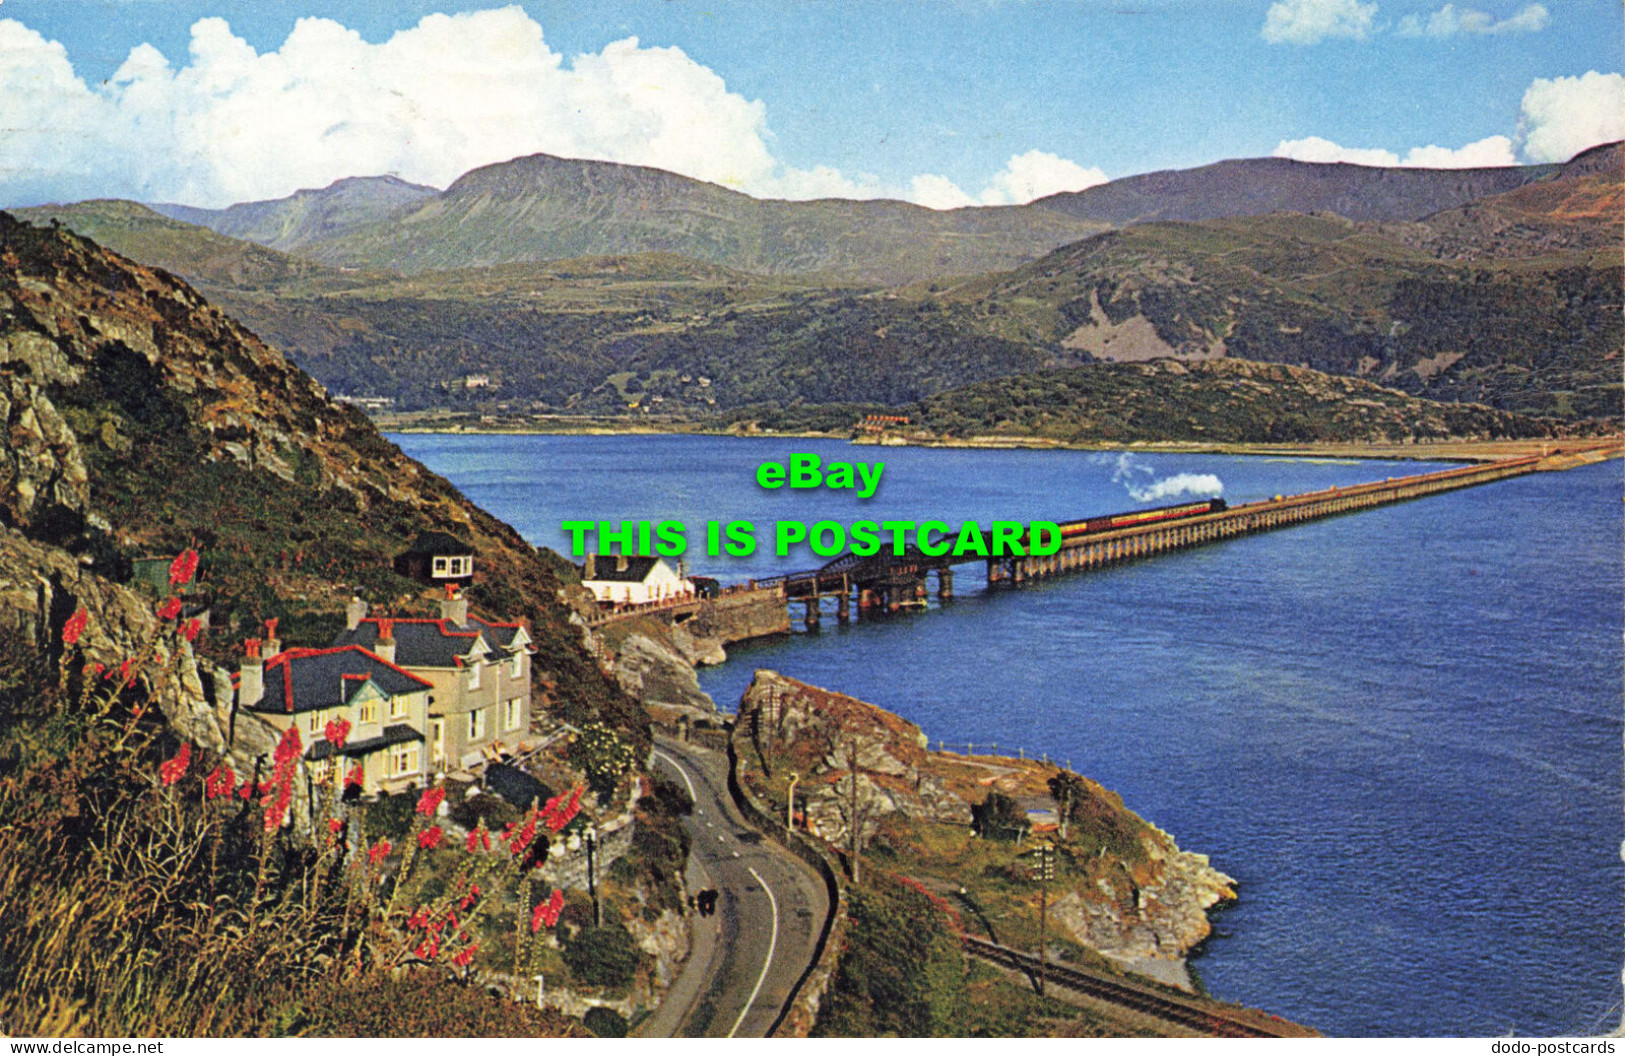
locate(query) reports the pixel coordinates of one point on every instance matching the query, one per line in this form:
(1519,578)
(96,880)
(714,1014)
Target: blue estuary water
(1400,729)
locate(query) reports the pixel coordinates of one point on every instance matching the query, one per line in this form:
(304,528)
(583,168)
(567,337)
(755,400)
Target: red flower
(463,959)
(289,747)
(525,837)
(479,838)
(429,802)
(172,770)
(547,913)
(220,782)
(245,791)
(378,852)
(126,670)
(335,826)
(337,732)
(75,626)
(93,671)
(169,609)
(183,568)
(356,776)
(429,838)
(560,816)
(190,628)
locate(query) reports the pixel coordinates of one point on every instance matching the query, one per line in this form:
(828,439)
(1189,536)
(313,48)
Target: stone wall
(801,1011)
(736,617)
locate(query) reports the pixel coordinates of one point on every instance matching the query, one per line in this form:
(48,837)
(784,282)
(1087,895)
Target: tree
(998,817)
(1068,790)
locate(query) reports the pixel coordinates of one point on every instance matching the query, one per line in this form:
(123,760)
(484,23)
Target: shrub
(496,812)
(392,815)
(604,956)
(605,1022)
(602,756)
(998,817)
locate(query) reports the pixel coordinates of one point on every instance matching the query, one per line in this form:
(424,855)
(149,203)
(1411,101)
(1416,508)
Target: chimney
(620,562)
(273,644)
(454,607)
(591,571)
(251,687)
(385,649)
(354,613)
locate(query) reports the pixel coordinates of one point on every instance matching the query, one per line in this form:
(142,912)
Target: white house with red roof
(386,706)
(479,673)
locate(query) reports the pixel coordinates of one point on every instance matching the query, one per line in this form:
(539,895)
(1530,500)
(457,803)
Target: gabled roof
(439,643)
(604,571)
(439,543)
(299,680)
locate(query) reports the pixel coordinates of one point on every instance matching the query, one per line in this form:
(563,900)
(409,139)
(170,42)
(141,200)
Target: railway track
(1191,1014)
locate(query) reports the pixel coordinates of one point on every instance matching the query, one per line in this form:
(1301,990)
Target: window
(513,713)
(437,738)
(474,675)
(476,724)
(321,771)
(316,721)
(403,760)
(518,664)
(368,712)
(452,566)
(397,706)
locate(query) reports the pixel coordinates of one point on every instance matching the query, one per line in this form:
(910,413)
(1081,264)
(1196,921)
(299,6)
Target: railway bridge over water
(887,582)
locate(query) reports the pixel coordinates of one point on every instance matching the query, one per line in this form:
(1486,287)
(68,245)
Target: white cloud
(1449,21)
(1489,152)
(450,94)
(1035,174)
(1024,178)
(1563,116)
(1312,21)
(938,192)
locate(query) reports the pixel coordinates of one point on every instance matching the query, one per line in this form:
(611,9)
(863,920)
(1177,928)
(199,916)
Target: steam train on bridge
(1135,518)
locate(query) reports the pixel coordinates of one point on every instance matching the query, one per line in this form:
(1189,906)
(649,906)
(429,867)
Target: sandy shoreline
(1573,452)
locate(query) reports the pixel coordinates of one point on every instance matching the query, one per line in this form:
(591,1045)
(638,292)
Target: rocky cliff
(142,421)
(1123,889)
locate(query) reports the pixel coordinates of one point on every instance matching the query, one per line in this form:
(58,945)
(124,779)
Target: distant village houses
(616,579)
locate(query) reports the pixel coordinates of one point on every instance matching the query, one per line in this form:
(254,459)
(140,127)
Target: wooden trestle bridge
(887,582)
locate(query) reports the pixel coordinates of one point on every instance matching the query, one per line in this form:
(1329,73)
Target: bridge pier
(994,572)
(843,607)
(945,584)
(812,615)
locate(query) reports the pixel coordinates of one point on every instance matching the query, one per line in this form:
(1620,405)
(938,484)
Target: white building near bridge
(616,579)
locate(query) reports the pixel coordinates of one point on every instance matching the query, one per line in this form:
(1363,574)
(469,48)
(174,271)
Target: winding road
(746,958)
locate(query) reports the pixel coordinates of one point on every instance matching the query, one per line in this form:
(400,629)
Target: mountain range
(589,286)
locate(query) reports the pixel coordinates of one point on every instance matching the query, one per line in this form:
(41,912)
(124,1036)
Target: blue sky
(941,102)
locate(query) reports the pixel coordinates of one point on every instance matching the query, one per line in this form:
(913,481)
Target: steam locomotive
(1135,518)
